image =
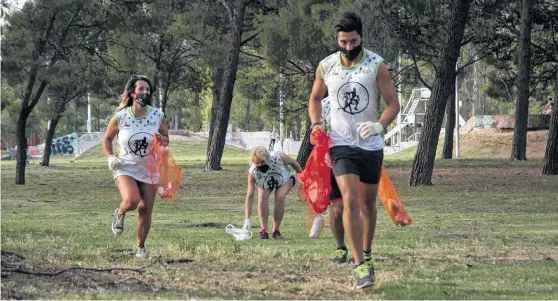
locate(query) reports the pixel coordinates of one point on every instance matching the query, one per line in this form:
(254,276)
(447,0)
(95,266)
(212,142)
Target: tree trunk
(216,77)
(423,164)
(27,104)
(176,119)
(550,166)
(217,138)
(305,148)
(450,125)
(519,144)
(48,141)
(21,158)
(75,117)
(98,110)
(165,97)
(247,116)
(197,122)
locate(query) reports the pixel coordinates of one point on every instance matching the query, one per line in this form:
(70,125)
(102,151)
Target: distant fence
(69,145)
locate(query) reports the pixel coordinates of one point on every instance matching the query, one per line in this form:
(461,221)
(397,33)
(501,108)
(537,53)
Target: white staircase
(395,130)
(409,113)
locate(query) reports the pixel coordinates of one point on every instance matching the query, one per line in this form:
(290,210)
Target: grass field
(487,229)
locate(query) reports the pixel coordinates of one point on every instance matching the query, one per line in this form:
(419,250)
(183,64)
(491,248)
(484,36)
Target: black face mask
(352,54)
(263,168)
(143,99)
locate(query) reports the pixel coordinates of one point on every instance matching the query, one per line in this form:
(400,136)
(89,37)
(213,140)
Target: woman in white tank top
(269,171)
(137,125)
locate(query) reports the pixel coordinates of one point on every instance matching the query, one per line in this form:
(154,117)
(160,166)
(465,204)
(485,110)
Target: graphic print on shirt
(273,180)
(353,98)
(138,144)
(275,176)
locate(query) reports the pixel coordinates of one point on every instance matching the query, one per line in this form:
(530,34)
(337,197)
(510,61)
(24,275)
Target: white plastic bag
(238,234)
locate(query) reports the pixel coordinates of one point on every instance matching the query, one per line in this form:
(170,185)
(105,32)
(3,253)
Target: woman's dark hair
(126,99)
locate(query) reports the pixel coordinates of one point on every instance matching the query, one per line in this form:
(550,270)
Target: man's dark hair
(348,22)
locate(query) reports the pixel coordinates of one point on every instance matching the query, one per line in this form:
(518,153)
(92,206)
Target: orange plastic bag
(315,178)
(391,200)
(170,174)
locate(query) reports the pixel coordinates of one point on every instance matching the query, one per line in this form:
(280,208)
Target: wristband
(315,124)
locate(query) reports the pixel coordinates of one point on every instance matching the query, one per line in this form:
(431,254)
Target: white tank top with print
(353,98)
(277,174)
(135,139)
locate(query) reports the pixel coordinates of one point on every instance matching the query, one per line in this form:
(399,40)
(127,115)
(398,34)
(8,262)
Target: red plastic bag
(170,174)
(315,178)
(391,200)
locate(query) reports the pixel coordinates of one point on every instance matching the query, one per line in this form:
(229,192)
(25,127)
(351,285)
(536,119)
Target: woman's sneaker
(263,235)
(141,252)
(117,223)
(276,235)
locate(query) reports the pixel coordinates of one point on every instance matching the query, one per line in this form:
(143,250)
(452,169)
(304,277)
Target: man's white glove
(369,128)
(247,225)
(113,162)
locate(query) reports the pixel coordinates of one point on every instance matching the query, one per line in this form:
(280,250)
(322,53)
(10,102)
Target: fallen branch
(56,273)
(179,260)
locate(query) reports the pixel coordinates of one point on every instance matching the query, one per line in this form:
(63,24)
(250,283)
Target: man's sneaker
(117,223)
(263,235)
(340,256)
(362,276)
(141,252)
(369,260)
(276,235)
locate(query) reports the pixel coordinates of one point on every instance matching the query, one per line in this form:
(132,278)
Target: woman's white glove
(113,162)
(369,128)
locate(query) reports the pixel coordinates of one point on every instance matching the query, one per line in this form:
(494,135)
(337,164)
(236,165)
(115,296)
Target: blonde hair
(259,154)
(126,99)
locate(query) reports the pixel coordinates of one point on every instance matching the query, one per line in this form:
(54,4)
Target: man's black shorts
(357,161)
(335,192)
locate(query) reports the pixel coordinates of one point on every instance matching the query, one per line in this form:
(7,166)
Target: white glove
(247,225)
(369,128)
(113,162)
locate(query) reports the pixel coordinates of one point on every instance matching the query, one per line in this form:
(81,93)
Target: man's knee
(350,205)
(368,206)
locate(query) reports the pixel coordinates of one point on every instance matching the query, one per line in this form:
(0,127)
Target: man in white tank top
(354,77)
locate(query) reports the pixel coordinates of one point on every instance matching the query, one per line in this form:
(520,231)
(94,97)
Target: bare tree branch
(418,72)
(252,55)
(249,39)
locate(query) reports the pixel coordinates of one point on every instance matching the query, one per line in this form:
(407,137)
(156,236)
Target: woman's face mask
(142,99)
(263,168)
(142,93)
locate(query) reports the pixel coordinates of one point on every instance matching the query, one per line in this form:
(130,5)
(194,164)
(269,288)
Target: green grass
(487,229)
